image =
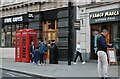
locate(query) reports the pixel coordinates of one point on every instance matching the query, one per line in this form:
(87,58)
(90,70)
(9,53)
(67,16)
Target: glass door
(49,32)
(95,30)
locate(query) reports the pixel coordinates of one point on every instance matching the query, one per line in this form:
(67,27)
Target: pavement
(57,70)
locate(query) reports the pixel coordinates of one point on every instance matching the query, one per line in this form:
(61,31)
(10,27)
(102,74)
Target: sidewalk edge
(27,73)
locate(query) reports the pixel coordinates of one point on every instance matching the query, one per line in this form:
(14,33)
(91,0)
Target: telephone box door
(24,48)
(18,46)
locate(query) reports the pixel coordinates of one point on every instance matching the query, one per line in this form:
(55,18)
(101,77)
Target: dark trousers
(41,58)
(36,58)
(31,57)
(78,54)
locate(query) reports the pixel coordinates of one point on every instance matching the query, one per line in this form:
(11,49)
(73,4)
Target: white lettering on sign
(30,15)
(14,19)
(7,20)
(17,19)
(104,14)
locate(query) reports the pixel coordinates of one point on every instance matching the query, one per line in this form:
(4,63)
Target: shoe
(37,64)
(101,77)
(107,78)
(83,62)
(43,64)
(74,63)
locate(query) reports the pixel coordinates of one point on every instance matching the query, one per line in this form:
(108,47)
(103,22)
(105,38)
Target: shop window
(5,28)
(51,25)
(13,35)
(8,39)
(17,27)
(39,34)
(3,37)
(21,26)
(45,27)
(9,28)
(34,25)
(13,28)
(49,31)
(25,26)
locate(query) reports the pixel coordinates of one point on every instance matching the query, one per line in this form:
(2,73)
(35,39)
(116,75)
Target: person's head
(32,43)
(41,41)
(78,42)
(104,32)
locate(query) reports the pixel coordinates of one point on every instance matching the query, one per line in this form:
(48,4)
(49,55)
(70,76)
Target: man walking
(102,55)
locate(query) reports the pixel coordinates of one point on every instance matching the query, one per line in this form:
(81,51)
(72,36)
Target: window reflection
(51,25)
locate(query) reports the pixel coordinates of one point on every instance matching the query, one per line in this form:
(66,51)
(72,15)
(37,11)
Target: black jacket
(54,53)
(32,50)
(101,43)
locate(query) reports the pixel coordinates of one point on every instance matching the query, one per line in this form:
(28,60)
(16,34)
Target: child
(36,55)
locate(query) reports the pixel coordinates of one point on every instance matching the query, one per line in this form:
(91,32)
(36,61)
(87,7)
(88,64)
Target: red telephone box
(26,37)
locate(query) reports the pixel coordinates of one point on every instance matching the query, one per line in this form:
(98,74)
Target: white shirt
(78,48)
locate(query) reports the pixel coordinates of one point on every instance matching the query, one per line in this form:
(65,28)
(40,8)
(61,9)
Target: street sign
(76,25)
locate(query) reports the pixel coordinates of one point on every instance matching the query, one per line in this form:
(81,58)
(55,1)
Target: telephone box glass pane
(24,47)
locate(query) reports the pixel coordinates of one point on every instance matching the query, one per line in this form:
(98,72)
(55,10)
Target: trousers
(78,54)
(102,64)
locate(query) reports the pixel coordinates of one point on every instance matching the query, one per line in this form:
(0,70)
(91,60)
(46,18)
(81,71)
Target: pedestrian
(78,53)
(102,55)
(46,53)
(42,52)
(53,53)
(32,50)
(36,55)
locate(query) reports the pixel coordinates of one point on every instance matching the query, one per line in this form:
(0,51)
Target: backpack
(46,48)
(98,40)
(42,48)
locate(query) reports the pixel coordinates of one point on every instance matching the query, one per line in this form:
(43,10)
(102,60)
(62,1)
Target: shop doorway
(95,30)
(49,32)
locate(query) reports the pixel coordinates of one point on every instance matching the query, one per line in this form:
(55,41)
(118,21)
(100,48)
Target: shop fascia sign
(104,16)
(13,19)
(30,15)
(76,25)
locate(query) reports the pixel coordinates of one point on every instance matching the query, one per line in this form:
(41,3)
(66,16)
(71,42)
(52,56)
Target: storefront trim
(111,15)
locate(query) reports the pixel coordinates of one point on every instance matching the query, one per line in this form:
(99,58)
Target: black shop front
(107,19)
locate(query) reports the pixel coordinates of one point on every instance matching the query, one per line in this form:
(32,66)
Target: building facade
(94,18)
(50,19)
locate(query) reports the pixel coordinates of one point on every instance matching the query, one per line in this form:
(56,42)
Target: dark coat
(36,55)
(101,43)
(54,54)
(32,50)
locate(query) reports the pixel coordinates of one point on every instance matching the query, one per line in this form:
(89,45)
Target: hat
(53,40)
